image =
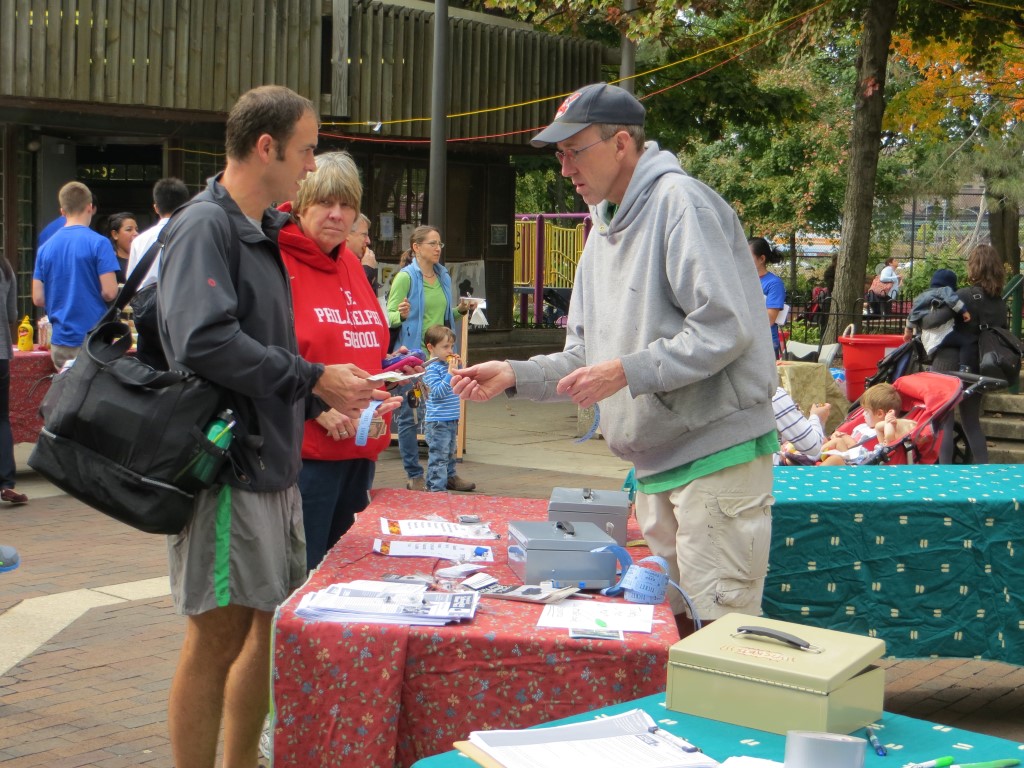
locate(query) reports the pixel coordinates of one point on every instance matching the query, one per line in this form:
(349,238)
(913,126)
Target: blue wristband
(363,429)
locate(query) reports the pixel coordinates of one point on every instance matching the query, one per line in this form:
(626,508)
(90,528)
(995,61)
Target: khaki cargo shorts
(715,533)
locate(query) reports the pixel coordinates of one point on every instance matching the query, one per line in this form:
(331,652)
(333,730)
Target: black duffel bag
(122,436)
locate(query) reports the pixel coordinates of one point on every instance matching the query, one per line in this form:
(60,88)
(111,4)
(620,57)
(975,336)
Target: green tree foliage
(703,109)
(540,188)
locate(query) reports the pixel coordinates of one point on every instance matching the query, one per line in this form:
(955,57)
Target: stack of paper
(371,602)
(632,738)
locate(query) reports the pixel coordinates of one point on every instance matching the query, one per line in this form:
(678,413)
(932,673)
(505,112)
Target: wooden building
(119,93)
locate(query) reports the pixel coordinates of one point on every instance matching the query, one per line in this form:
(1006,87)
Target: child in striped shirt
(442,419)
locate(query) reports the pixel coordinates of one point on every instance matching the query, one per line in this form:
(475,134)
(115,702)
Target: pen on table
(683,744)
(939,762)
(875,743)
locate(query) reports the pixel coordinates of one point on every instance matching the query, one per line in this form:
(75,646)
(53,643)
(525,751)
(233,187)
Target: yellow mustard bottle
(25,335)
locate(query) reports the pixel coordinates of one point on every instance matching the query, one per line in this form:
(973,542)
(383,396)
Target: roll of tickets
(816,750)
(812,749)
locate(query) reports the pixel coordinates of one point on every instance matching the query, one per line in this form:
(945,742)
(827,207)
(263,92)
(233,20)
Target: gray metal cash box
(560,552)
(608,510)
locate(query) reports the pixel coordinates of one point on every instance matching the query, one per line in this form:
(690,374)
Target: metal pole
(538,274)
(913,232)
(438,174)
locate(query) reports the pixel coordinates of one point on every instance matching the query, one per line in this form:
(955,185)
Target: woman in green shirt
(421,297)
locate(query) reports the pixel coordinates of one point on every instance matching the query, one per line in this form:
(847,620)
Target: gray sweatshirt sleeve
(537,377)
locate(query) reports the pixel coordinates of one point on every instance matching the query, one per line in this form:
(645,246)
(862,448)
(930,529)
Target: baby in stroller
(881,427)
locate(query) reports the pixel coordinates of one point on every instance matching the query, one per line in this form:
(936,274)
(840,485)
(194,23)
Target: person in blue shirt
(75,274)
(442,419)
(50,230)
(772,287)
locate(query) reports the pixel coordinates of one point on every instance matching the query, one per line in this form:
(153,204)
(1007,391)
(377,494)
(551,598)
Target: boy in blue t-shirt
(442,419)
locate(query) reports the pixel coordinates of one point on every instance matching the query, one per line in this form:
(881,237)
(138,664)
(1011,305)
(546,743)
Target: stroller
(928,398)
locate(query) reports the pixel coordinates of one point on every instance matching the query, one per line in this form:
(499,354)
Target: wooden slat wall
(389,78)
(202,54)
(185,54)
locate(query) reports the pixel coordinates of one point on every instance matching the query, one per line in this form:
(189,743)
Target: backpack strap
(131,285)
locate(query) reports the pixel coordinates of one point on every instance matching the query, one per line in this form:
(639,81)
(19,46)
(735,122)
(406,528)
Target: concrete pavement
(89,639)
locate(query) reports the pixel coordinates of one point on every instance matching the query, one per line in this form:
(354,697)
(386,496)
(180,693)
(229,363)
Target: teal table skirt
(907,740)
(928,558)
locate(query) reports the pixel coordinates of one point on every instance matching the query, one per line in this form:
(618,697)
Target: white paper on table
(460,553)
(345,603)
(610,742)
(750,762)
(436,528)
(573,614)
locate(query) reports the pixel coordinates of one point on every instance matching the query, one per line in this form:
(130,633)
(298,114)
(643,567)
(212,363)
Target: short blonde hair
(335,180)
(74,197)
(882,397)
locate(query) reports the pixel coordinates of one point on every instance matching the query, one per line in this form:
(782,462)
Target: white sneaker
(267,740)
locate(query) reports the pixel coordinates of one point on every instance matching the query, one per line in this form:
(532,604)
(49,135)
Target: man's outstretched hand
(593,383)
(484,381)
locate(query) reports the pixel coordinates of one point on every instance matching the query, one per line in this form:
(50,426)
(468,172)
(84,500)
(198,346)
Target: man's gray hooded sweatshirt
(669,287)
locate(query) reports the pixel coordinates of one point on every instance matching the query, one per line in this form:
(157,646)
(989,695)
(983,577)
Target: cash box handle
(565,525)
(782,637)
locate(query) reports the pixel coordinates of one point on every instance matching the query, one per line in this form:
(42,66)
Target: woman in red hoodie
(337,320)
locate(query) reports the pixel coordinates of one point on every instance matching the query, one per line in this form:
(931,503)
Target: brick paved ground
(95,693)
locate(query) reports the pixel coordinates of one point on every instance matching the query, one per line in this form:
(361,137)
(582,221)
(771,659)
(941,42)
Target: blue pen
(876,744)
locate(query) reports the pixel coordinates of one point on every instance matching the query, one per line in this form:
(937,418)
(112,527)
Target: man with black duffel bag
(243,552)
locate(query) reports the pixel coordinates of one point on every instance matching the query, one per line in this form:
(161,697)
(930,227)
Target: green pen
(941,762)
(990,764)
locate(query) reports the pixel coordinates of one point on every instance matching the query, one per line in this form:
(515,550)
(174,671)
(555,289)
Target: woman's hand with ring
(335,424)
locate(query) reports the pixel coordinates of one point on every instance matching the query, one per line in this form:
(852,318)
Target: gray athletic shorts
(241,548)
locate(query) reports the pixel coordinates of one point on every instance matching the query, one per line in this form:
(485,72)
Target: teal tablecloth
(908,740)
(929,558)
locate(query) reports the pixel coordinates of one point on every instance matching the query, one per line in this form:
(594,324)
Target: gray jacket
(9,299)
(233,325)
(669,287)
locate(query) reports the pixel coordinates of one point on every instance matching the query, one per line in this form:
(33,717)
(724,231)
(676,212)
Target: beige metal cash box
(777,676)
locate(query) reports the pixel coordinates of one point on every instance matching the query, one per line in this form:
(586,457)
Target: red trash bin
(861,354)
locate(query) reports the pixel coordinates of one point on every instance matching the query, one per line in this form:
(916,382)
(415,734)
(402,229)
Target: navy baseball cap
(944,278)
(596,103)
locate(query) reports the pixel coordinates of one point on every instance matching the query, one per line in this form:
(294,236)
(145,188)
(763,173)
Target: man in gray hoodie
(666,331)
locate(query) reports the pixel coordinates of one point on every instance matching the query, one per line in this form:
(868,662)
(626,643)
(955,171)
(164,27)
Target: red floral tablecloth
(388,695)
(30,380)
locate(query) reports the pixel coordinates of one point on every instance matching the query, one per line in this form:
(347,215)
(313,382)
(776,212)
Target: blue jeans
(332,493)
(441,439)
(406,420)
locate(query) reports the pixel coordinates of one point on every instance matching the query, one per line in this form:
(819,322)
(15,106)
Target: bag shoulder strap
(131,285)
